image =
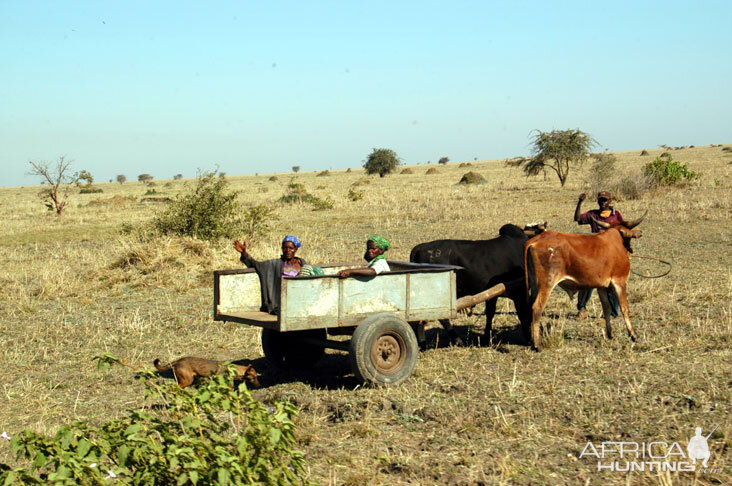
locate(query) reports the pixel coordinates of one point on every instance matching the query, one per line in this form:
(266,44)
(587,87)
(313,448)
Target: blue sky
(256,87)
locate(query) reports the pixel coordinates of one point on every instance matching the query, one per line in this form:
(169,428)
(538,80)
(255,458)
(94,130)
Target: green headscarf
(380,242)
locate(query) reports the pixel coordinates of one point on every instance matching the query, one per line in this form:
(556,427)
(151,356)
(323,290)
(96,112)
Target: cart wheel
(383,350)
(289,349)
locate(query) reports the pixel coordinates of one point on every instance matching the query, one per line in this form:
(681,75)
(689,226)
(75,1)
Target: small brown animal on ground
(188,368)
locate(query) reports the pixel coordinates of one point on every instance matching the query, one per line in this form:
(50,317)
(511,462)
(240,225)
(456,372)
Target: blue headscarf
(293,240)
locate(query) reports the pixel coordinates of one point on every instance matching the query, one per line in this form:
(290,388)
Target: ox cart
(384,315)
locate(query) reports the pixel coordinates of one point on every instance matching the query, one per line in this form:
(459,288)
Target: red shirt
(614,217)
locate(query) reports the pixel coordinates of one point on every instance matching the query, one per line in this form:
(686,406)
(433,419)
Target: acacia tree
(121,178)
(381,161)
(85,177)
(558,150)
(59,179)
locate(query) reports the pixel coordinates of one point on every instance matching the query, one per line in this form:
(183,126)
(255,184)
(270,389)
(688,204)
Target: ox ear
(635,222)
(626,233)
(601,224)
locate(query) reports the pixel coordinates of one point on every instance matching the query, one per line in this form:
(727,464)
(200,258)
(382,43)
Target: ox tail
(532,289)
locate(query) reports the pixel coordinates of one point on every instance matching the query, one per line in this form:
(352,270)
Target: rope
(655,260)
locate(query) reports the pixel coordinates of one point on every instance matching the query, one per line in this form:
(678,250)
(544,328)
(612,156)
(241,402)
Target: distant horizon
(169,87)
(290,172)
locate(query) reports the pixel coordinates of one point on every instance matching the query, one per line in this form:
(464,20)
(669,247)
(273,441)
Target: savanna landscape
(89,283)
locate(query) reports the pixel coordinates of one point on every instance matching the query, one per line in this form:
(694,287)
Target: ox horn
(601,224)
(635,222)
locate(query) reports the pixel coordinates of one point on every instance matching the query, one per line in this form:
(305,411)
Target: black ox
(485,263)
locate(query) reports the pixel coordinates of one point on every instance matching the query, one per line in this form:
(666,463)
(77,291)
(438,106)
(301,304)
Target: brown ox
(574,262)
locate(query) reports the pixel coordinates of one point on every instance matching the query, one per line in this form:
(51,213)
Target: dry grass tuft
(407,170)
(432,170)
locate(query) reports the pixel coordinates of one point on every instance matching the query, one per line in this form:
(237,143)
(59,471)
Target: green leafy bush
(668,172)
(207,211)
(216,434)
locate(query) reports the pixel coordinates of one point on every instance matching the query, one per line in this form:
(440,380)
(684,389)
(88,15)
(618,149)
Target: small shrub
(90,190)
(321,204)
(665,155)
(407,170)
(355,195)
(472,178)
(726,149)
(295,169)
(362,181)
(258,221)
(177,177)
(121,178)
(324,173)
(150,192)
(629,187)
(297,194)
(151,184)
(603,176)
(644,152)
(348,170)
(207,211)
(602,169)
(443,160)
(668,172)
(432,170)
(273,178)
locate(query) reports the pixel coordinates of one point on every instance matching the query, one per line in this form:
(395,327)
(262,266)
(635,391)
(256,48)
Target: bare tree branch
(59,180)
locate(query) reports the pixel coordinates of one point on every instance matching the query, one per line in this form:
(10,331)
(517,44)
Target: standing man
(608,214)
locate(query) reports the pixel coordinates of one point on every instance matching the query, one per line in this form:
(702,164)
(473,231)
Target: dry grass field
(75,287)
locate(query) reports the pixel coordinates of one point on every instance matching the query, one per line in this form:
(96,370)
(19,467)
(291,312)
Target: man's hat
(604,195)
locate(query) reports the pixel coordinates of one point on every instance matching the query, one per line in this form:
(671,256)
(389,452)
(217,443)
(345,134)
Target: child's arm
(366,272)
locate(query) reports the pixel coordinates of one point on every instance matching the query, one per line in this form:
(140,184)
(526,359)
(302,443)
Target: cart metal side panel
(309,303)
(430,296)
(239,292)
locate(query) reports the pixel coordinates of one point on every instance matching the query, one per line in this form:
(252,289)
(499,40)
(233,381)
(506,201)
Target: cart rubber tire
(383,350)
(288,349)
